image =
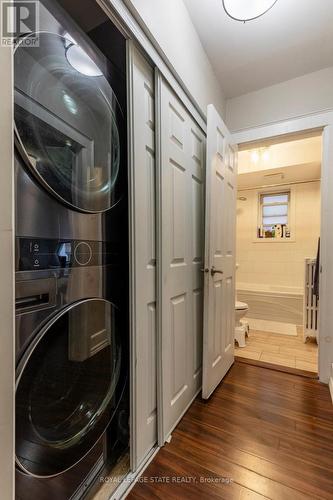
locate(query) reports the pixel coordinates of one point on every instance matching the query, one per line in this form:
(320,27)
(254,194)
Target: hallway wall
(171,26)
(311,93)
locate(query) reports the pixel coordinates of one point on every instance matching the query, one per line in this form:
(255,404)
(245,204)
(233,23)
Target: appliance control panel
(37,254)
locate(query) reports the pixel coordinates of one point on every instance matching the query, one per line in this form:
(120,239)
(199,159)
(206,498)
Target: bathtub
(279,303)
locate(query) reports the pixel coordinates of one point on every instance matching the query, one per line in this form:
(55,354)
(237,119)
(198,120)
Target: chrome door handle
(214,271)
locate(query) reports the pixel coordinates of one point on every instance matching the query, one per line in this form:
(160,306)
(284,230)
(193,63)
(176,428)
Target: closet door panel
(182,174)
(175,257)
(143,249)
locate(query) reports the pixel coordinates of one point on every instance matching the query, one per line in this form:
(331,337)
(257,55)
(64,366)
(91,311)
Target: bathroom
(278,229)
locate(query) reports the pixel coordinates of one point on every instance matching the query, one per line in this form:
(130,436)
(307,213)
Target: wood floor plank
(275,466)
(269,432)
(247,470)
(269,436)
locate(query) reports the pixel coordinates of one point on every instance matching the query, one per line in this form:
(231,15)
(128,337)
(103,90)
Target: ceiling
(280,163)
(305,172)
(294,38)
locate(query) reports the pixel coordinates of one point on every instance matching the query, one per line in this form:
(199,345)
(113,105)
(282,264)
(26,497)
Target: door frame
(322,122)
(159,281)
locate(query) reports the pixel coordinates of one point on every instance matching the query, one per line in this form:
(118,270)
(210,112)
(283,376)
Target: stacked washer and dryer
(72,404)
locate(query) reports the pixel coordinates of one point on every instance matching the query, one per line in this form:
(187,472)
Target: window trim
(261,206)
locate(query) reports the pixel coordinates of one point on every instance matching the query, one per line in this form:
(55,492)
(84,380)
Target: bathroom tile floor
(282,350)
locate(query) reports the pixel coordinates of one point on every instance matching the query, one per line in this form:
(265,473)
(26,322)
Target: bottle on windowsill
(278,231)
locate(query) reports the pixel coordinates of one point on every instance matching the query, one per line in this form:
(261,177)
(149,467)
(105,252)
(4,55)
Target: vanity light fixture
(247,10)
(260,155)
(255,157)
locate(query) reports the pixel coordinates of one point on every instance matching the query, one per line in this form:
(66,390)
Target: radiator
(311,303)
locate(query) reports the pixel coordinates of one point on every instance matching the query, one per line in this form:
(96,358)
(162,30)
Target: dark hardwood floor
(269,433)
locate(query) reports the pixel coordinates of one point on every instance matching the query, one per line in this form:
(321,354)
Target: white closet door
(219,300)
(143,276)
(182,153)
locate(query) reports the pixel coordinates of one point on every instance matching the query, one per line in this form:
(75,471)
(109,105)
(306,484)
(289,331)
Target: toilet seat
(240,306)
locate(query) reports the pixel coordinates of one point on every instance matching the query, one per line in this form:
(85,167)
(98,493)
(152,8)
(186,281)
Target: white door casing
(143,255)
(181,205)
(219,291)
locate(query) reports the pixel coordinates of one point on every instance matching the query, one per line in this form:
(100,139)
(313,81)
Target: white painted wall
(311,93)
(170,25)
(273,263)
(7,278)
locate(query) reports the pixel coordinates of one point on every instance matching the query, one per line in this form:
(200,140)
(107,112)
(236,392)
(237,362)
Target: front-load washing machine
(72,401)
(71,375)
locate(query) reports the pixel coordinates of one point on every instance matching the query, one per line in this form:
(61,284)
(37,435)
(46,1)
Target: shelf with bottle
(278,231)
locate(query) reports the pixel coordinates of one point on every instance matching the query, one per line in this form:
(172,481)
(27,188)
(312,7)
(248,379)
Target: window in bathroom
(274,215)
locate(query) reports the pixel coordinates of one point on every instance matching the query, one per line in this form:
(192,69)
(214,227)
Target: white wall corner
(330,382)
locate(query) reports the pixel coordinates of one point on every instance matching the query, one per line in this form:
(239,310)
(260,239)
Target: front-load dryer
(72,404)
(70,132)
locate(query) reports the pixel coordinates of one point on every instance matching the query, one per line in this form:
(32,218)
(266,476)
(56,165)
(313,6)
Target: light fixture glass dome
(80,61)
(247,10)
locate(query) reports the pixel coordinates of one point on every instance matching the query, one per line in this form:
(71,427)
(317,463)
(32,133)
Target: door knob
(214,271)
(206,270)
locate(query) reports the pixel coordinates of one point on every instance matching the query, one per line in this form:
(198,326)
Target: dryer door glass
(68,121)
(69,386)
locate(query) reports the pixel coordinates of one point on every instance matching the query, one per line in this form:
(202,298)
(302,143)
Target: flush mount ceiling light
(247,10)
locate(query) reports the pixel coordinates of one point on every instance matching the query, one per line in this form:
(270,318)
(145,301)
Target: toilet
(242,327)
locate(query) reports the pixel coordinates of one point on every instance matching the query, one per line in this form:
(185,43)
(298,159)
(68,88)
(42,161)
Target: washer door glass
(68,387)
(66,122)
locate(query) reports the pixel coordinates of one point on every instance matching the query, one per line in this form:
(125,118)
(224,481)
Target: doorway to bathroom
(277,240)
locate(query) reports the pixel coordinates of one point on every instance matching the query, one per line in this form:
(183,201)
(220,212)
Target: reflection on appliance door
(66,124)
(88,334)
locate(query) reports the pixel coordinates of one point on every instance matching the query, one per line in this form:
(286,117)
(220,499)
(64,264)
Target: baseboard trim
(279,368)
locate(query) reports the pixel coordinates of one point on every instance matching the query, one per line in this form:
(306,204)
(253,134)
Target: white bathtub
(279,303)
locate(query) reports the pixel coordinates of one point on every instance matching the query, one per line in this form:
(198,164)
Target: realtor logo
(20,20)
